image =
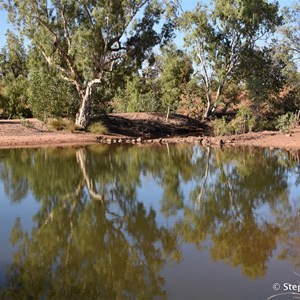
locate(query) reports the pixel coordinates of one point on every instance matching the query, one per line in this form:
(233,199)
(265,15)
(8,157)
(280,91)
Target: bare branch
(89,15)
(58,67)
(66,30)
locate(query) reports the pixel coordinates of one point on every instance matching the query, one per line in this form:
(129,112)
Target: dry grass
(62,124)
(97,127)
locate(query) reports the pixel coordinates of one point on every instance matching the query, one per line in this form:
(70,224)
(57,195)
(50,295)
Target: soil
(129,127)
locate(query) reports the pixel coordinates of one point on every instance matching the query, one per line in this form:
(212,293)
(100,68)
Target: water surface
(180,222)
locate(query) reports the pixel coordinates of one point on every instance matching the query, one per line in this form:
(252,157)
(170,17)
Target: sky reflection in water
(174,222)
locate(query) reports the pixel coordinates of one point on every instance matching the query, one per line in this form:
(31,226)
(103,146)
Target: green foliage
(291,30)
(13,78)
(221,127)
(139,95)
(159,86)
(244,121)
(175,73)
(288,102)
(265,123)
(219,34)
(83,41)
(13,57)
(263,73)
(14,100)
(287,122)
(97,127)
(51,96)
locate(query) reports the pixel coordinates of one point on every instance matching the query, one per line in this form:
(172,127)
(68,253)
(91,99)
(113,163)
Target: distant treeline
(77,59)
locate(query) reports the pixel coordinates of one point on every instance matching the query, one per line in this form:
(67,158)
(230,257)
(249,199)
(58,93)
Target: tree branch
(64,54)
(67,34)
(89,15)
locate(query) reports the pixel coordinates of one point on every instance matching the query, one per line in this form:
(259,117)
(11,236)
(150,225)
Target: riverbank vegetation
(236,67)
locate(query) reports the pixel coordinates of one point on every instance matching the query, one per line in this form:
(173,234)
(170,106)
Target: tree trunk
(210,108)
(168,113)
(83,115)
(207,113)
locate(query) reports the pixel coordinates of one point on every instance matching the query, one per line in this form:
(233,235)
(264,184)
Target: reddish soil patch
(33,133)
(271,139)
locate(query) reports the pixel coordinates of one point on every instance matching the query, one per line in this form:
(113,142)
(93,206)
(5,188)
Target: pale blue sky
(186,5)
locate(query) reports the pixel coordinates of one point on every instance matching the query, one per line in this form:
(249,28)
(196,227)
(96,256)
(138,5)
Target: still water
(180,222)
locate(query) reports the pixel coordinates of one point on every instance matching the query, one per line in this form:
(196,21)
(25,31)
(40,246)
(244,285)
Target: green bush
(14,97)
(138,96)
(287,122)
(50,96)
(265,124)
(221,127)
(243,122)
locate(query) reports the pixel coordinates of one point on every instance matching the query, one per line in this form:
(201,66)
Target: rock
(206,142)
(139,140)
(191,139)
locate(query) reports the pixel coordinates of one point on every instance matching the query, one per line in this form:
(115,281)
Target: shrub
(14,97)
(49,95)
(97,127)
(242,123)
(244,120)
(222,127)
(265,124)
(287,122)
(62,124)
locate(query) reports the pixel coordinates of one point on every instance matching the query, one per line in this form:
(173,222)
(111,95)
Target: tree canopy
(220,36)
(84,40)
(90,56)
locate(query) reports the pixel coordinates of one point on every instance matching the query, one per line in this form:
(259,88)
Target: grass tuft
(97,127)
(62,124)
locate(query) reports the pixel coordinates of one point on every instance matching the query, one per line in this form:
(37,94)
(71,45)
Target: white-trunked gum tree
(85,40)
(219,35)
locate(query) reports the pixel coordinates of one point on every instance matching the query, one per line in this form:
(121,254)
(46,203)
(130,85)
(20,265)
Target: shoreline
(13,134)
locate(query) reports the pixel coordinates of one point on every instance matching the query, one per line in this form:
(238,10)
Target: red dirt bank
(33,133)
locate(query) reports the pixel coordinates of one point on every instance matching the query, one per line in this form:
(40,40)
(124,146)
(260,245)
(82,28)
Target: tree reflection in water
(93,237)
